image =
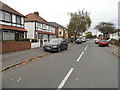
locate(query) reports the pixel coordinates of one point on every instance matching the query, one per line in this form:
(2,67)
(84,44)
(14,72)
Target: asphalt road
(81,66)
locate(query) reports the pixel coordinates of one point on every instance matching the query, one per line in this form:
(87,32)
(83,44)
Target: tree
(79,22)
(106,28)
(89,35)
(95,36)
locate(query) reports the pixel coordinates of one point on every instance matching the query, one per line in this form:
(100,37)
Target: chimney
(36,13)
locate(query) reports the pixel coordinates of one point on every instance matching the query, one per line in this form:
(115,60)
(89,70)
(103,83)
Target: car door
(64,44)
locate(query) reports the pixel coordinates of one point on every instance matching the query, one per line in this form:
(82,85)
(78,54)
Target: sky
(57,10)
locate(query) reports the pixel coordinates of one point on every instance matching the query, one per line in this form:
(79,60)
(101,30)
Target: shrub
(24,39)
(113,41)
(34,40)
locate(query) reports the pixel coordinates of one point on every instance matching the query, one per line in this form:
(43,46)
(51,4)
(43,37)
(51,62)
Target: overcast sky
(57,10)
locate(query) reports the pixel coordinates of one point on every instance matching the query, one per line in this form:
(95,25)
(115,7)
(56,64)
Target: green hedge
(8,41)
(114,40)
(24,39)
(34,40)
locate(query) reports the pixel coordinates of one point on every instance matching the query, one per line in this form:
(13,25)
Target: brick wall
(12,47)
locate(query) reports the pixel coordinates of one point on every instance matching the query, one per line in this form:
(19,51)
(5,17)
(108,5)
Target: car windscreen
(55,41)
(103,41)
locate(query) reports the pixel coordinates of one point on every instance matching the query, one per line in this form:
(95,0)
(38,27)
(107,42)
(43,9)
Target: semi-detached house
(38,28)
(11,23)
(61,31)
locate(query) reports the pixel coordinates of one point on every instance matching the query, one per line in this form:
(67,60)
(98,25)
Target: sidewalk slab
(12,58)
(114,49)
(19,56)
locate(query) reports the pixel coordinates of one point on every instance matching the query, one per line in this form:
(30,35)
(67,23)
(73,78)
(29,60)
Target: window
(39,25)
(44,26)
(18,20)
(1,15)
(22,20)
(5,16)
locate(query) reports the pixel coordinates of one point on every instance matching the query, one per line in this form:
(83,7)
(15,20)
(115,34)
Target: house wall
(5,23)
(115,36)
(30,26)
(0,35)
(13,20)
(45,27)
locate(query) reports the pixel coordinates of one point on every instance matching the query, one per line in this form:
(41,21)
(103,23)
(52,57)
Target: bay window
(5,16)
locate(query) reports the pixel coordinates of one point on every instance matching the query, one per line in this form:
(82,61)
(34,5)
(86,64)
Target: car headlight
(54,46)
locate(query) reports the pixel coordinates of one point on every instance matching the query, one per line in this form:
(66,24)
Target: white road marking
(65,79)
(80,56)
(86,47)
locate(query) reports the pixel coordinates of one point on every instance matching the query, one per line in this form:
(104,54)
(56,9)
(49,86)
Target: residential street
(81,66)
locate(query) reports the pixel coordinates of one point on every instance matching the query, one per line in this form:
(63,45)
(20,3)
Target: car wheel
(66,48)
(58,50)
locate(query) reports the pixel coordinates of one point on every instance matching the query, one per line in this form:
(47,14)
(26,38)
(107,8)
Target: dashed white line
(86,48)
(70,72)
(80,56)
(65,79)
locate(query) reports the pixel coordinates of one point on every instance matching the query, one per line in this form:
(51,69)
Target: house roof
(35,17)
(5,7)
(57,25)
(12,28)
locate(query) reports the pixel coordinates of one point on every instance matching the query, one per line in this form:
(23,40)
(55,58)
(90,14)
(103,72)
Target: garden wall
(14,46)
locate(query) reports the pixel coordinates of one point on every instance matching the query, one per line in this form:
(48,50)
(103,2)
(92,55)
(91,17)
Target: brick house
(60,30)
(39,28)
(11,23)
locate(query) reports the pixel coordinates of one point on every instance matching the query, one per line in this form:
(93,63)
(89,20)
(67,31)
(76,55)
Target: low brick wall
(13,47)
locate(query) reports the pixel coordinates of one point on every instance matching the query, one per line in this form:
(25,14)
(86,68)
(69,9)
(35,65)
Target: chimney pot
(36,13)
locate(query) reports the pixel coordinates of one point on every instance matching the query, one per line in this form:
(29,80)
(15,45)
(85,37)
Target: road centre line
(65,79)
(86,48)
(80,56)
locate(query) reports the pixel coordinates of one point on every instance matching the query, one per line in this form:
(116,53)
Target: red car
(96,41)
(103,43)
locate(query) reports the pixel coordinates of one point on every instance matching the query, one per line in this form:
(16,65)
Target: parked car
(83,40)
(103,43)
(78,41)
(56,44)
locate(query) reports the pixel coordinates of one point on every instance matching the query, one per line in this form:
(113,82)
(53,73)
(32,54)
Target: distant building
(11,23)
(115,35)
(39,28)
(60,30)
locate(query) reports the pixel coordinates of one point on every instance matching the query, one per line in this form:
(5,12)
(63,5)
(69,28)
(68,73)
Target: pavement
(114,50)
(13,58)
(81,66)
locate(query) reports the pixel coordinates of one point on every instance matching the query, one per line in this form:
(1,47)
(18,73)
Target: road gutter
(24,62)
